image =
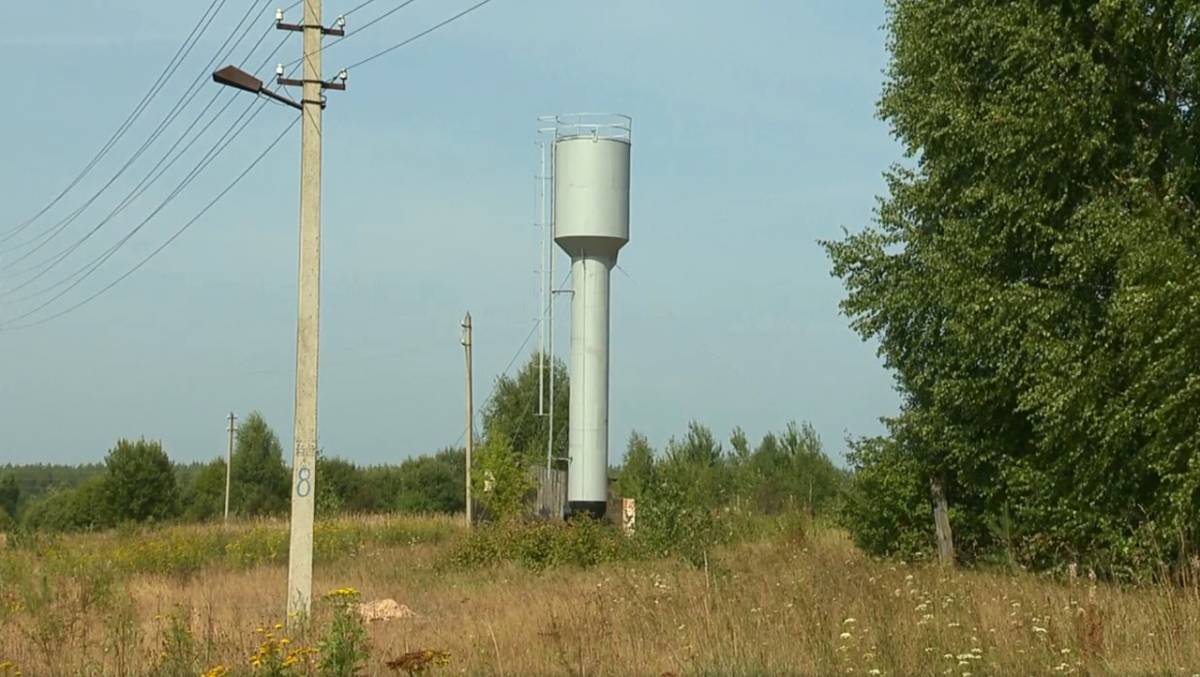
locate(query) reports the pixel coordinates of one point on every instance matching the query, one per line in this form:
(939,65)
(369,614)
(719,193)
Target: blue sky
(754,137)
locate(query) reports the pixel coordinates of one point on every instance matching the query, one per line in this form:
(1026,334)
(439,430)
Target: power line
(420,35)
(152,177)
(509,366)
(398,45)
(171,239)
(189,42)
(149,180)
(181,104)
(356,7)
(355,31)
(267,32)
(89,268)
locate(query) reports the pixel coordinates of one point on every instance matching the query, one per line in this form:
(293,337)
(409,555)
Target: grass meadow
(209,600)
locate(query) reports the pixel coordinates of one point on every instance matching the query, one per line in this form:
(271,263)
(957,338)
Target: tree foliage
(10,495)
(636,477)
(433,484)
(512,410)
(261,481)
(204,497)
(139,485)
(81,508)
(500,481)
(1032,277)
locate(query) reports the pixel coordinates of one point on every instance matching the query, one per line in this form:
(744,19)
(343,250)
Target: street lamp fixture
(232,76)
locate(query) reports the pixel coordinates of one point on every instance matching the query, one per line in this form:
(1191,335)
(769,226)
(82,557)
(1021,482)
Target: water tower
(591,224)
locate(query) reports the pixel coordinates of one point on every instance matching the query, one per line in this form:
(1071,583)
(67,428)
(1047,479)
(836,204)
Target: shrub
(887,509)
(582,542)
(500,481)
(139,484)
(79,509)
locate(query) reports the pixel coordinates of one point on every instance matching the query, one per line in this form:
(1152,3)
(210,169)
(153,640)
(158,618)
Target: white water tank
(591,224)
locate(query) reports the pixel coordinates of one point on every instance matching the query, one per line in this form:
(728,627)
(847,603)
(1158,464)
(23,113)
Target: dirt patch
(384,610)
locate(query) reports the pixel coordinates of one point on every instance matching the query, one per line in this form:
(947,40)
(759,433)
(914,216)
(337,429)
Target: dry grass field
(155,603)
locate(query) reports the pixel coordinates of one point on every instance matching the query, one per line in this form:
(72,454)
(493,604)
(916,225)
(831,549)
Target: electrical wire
(356,7)
(208,159)
(365,26)
(172,65)
(420,35)
(155,173)
(509,366)
(169,240)
(267,32)
(152,177)
(92,266)
(41,269)
(181,104)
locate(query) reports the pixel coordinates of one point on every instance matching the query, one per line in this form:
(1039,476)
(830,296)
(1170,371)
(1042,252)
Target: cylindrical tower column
(587,477)
(591,224)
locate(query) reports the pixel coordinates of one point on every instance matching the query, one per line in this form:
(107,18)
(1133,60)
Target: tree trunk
(941,522)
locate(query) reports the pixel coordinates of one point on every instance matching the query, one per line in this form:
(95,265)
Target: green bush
(887,508)
(499,479)
(581,542)
(80,509)
(139,483)
(674,520)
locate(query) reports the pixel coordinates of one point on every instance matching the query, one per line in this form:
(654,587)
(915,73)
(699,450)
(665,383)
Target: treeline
(693,476)
(138,483)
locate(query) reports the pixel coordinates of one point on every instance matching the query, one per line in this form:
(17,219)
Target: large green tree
(512,410)
(139,484)
(637,475)
(204,496)
(261,483)
(1032,274)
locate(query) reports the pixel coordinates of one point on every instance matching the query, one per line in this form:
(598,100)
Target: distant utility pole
(466,341)
(229,464)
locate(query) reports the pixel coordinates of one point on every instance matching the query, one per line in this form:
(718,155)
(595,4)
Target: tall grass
(785,601)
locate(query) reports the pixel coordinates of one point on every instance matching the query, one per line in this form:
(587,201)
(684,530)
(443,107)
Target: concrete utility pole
(229,464)
(304,426)
(466,341)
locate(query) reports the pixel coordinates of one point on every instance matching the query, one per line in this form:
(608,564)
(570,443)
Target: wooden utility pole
(466,341)
(229,464)
(941,523)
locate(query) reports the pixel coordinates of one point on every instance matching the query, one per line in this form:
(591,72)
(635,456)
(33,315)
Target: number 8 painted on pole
(303,483)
